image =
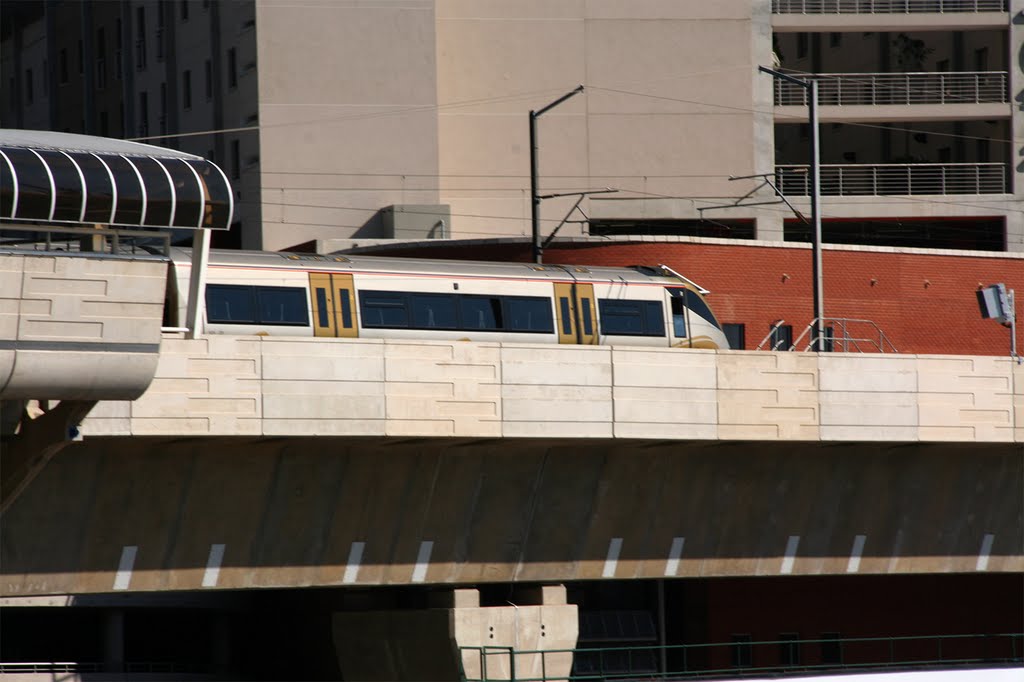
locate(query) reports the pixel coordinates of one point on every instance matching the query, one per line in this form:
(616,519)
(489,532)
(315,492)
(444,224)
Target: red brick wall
(923,303)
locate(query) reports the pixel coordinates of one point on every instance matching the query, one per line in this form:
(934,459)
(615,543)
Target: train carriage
(379,297)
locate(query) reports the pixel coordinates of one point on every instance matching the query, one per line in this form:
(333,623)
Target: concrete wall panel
(79,328)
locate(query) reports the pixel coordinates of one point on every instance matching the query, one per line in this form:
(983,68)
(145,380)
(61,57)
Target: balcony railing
(848,89)
(886,6)
(896,178)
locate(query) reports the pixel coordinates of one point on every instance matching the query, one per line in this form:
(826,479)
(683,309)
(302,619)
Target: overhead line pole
(538,247)
(811,86)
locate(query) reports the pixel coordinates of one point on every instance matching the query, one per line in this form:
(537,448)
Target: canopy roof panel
(61,177)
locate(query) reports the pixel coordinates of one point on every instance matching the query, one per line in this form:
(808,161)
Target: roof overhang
(67,178)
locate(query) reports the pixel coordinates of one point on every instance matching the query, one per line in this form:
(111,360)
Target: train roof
(357,263)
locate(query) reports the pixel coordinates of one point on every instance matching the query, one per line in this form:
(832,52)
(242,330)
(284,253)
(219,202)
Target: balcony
(896,179)
(857,89)
(886,6)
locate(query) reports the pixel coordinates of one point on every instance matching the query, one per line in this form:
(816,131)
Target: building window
(208,76)
(101,59)
(981,59)
(742,653)
(781,337)
(831,649)
(186,85)
(143,114)
(236,160)
(161,9)
(232,68)
(163,109)
(789,649)
(29,93)
(118,45)
(802,41)
(63,65)
(982,148)
(140,38)
(736,335)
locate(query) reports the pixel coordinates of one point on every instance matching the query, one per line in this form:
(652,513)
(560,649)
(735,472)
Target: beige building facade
(435,111)
(410,120)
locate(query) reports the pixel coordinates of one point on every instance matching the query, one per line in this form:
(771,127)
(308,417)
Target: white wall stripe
(986,551)
(419,573)
(790,557)
(611,562)
(676,551)
(858,549)
(123,578)
(355,557)
(213,562)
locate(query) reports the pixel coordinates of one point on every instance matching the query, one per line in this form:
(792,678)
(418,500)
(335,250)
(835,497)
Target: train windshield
(695,302)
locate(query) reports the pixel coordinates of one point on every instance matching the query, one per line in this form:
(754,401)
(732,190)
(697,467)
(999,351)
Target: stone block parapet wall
(262,386)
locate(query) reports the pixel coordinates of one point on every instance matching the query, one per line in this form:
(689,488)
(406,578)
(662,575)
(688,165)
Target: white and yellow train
(374,297)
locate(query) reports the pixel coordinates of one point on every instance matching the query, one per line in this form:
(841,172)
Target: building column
(526,639)
(769,228)
(113,641)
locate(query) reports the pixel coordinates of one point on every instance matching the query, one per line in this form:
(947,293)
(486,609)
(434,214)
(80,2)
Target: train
(298,294)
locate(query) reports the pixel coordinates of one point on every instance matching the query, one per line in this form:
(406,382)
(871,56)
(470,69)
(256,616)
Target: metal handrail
(860,179)
(908,88)
(995,650)
(114,239)
(886,6)
(843,342)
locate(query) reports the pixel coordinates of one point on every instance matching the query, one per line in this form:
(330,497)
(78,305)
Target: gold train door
(575,313)
(334,304)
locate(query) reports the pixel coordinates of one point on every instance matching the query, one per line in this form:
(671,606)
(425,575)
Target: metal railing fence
(82,239)
(895,179)
(746,658)
(886,6)
(849,89)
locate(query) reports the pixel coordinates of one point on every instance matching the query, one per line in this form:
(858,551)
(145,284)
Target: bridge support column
(528,639)
(38,440)
(113,641)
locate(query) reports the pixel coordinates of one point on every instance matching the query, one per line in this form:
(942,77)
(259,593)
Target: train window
(346,308)
(384,309)
(782,337)
(321,307)
(434,311)
(735,334)
(230,304)
(696,303)
(480,312)
(678,318)
(282,305)
(588,323)
(631,318)
(528,314)
(563,302)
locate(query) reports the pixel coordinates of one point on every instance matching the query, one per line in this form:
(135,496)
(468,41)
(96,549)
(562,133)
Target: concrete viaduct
(221,463)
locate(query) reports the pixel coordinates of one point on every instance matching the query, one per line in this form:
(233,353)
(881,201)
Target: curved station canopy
(67,178)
